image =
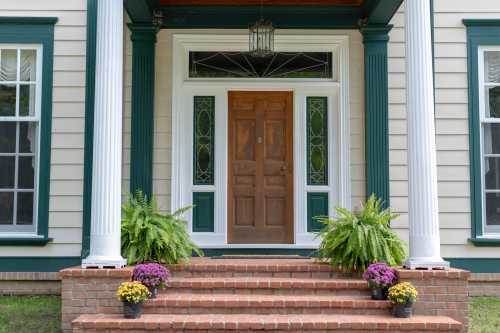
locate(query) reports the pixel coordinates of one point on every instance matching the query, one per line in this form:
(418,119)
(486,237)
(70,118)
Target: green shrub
(355,239)
(150,236)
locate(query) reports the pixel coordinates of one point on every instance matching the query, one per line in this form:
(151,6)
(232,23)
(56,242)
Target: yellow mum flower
(402,293)
(132,292)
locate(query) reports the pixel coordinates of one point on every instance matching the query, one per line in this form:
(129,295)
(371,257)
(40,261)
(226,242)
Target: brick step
(263,304)
(291,268)
(266,286)
(270,323)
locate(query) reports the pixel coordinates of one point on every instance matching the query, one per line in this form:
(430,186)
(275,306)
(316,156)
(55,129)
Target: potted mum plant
(402,296)
(153,276)
(132,294)
(380,277)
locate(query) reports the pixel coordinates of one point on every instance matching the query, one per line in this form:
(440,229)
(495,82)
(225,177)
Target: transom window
(489,87)
(220,64)
(20,77)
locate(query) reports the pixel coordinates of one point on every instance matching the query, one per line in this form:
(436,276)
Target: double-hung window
(489,97)
(20,84)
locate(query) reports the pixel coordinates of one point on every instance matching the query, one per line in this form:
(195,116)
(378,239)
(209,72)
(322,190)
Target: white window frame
(488,231)
(13,231)
(183,90)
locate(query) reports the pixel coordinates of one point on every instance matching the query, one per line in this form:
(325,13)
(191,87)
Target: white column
(422,174)
(107,158)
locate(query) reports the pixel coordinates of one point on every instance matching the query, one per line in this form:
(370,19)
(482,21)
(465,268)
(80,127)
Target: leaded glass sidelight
(204,131)
(317,141)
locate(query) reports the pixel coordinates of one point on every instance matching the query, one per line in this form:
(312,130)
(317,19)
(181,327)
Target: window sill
(485,241)
(22,241)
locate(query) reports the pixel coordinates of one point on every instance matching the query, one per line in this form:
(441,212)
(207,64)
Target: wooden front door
(260,181)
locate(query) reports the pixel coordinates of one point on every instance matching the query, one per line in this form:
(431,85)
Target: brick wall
(442,293)
(30,283)
(484,284)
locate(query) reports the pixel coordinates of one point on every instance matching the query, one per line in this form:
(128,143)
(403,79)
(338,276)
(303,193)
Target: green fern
(355,239)
(150,236)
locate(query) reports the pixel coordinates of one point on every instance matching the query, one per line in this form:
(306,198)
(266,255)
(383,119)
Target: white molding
(183,90)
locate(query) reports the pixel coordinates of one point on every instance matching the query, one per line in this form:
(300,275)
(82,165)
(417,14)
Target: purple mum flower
(381,275)
(152,275)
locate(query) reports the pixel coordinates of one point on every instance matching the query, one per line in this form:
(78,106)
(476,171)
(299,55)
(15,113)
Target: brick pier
(222,295)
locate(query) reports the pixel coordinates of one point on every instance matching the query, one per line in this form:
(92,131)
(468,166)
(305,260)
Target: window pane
(204,128)
(27,99)
(492,208)
(7,166)
(28,65)
(492,173)
(8,65)
(24,208)
(26,173)
(7,137)
(317,141)
(492,66)
(491,138)
(27,137)
(7,100)
(493,105)
(6,207)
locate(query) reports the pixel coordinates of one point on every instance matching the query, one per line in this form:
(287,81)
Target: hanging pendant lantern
(261,38)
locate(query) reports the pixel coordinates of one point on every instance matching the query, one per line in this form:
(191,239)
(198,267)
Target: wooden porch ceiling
(285,14)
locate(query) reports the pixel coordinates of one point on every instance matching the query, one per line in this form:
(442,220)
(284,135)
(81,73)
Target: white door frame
(183,90)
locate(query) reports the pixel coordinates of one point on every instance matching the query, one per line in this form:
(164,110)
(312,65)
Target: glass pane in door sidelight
(203,147)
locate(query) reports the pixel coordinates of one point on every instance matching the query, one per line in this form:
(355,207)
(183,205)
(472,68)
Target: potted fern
(132,294)
(380,277)
(147,235)
(402,296)
(355,239)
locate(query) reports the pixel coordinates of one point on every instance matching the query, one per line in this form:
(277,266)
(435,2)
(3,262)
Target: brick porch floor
(275,295)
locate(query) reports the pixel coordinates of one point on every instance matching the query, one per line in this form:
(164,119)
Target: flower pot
(153,292)
(402,310)
(379,293)
(132,310)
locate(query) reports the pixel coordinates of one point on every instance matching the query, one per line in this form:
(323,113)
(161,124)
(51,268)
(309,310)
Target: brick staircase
(224,295)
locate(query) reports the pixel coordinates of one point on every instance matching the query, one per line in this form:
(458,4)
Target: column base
(104,262)
(426,263)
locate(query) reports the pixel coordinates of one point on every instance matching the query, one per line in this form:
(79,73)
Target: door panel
(260,182)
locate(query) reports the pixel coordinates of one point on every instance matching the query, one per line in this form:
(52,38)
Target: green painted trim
(37,264)
(89,123)
(142,123)
(203,211)
(317,206)
(479,32)
(375,39)
(382,11)
(39,241)
(483,242)
(476,265)
(25,30)
(140,11)
(220,252)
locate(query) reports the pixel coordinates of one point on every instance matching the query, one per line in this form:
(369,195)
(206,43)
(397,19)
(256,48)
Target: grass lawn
(484,315)
(30,314)
(42,314)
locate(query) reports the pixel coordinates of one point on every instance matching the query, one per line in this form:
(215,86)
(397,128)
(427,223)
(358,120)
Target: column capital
(375,32)
(143,32)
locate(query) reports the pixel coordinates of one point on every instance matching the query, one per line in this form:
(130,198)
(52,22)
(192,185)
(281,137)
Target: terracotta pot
(132,310)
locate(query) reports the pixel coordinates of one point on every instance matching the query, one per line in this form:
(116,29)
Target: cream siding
(451,116)
(65,205)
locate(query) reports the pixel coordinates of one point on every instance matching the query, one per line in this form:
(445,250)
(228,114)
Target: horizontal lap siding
(451,116)
(66,182)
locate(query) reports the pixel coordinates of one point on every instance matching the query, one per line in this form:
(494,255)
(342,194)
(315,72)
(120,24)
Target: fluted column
(107,157)
(422,175)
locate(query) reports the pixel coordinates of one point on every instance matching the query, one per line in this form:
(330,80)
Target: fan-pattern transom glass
(204,128)
(317,141)
(315,65)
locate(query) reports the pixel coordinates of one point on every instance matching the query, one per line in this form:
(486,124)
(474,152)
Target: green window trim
(203,140)
(479,32)
(317,140)
(317,205)
(203,211)
(37,30)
